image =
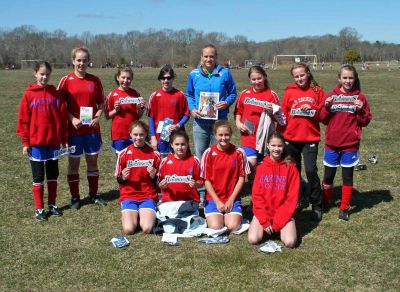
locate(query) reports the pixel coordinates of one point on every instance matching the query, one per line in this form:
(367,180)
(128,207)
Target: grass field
(74,252)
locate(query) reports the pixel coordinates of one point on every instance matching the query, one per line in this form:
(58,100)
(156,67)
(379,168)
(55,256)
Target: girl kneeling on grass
(43,126)
(224,168)
(136,168)
(275,194)
(344,113)
(179,172)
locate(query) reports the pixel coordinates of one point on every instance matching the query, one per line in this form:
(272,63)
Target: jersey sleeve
(99,92)
(121,163)
(244,166)
(110,102)
(239,105)
(151,108)
(260,208)
(23,123)
(206,165)
(64,122)
(286,211)
(364,115)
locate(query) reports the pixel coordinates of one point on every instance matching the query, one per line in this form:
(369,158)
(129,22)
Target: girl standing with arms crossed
(136,168)
(84,95)
(166,102)
(179,172)
(124,106)
(275,193)
(300,104)
(43,126)
(224,168)
(344,113)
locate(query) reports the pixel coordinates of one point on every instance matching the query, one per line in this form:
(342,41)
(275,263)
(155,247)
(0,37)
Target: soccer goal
(309,59)
(29,64)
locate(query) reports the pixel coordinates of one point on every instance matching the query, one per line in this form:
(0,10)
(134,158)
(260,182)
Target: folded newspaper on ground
(271,247)
(64,151)
(120,241)
(170,239)
(215,240)
(214,232)
(242,228)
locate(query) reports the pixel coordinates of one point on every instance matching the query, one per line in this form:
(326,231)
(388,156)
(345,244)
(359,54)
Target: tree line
(180,47)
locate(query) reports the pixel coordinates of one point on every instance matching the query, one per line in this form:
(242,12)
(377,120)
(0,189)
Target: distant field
(74,252)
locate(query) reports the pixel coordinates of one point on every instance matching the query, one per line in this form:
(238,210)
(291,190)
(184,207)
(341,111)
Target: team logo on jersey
(130,100)
(115,94)
(140,163)
(170,162)
(190,170)
(302,113)
(158,94)
(272,181)
(214,154)
(90,87)
(178,178)
(234,163)
(256,102)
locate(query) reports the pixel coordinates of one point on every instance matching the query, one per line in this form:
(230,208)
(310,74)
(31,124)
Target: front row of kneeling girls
(223,171)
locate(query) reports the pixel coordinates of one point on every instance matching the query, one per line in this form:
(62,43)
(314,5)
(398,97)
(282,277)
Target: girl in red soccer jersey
(124,106)
(249,107)
(179,172)
(345,112)
(136,168)
(300,104)
(43,127)
(166,104)
(275,193)
(84,95)
(224,168)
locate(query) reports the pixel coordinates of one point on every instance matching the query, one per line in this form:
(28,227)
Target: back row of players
(70,115)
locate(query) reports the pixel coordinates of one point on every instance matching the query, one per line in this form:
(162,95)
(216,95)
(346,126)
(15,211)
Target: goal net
(311,60)
(29,64)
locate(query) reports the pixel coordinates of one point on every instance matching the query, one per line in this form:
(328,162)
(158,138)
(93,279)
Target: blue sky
(256,19)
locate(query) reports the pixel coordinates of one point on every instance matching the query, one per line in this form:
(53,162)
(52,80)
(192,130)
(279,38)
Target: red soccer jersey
(42,117)
(223,169)
(87,92)
(301,126)
(178,173)
(250,106)
(127,113)
(275,193)
(139,185)
(162,104)
(343,122)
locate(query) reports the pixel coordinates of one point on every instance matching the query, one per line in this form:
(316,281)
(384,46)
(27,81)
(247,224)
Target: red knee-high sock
(93,180)
(37,190)
(73,182)
(52,190)
(327,192)
(347,191)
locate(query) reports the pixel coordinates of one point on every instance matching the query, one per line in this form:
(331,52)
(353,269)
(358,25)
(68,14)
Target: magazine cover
(208,105)
(164,135)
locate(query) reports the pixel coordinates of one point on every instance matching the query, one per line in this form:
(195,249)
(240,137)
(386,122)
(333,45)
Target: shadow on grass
(109,196)
(363,200)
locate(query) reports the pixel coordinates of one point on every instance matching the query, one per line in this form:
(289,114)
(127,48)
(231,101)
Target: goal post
(29,64)
(312,59)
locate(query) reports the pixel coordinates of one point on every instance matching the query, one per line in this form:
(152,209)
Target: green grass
(74,252)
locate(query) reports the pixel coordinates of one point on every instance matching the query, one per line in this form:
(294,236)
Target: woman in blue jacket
(209,80)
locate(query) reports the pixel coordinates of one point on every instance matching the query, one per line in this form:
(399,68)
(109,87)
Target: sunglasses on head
(166,77)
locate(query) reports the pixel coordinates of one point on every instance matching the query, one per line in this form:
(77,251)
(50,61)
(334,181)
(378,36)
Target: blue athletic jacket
(220,80)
